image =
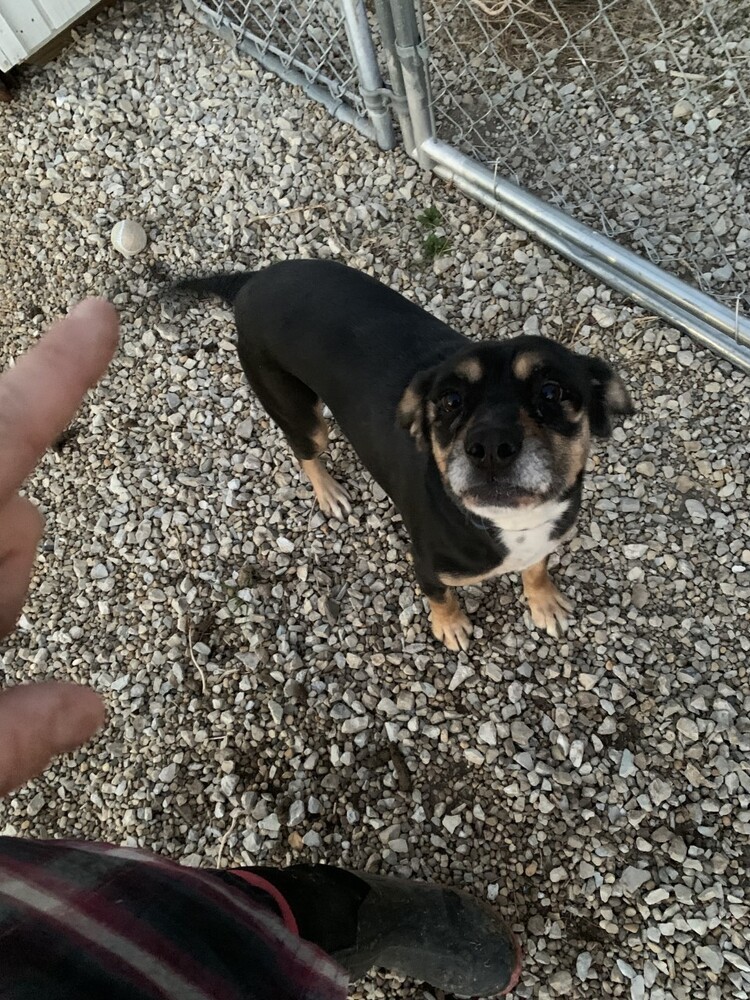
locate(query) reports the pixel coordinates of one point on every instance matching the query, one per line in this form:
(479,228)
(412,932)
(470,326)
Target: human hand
(38,398)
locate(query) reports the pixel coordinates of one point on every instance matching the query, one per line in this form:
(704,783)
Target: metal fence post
(412,56)
(376,98)
(384,16)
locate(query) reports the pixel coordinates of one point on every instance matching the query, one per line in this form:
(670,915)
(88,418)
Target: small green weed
(436,243)
(430,218)
(435,246)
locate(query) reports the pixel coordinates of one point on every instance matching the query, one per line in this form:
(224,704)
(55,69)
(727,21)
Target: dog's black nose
(492,448)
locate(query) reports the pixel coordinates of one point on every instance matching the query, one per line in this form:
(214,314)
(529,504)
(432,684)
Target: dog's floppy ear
(411,411)
(609,397)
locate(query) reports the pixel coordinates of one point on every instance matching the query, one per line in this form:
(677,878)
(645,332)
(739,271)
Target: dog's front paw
(334,501)
(449,624)
(549,610)
(332,498)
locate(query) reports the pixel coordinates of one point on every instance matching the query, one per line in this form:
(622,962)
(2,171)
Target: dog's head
(509,423)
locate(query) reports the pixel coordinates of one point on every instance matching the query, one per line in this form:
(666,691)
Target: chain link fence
(616,131)
(633,115)
(322,46)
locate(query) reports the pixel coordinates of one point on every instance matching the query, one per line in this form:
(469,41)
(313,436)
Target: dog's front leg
(549,609)
(449,623)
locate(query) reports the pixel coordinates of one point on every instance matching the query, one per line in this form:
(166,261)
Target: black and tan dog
(481,446)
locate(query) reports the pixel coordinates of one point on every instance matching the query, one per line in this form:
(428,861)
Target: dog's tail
(226,286)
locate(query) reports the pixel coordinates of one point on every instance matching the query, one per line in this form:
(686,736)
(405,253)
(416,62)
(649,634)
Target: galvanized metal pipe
(371,83)
(384,16)
(412,55)
(706,320)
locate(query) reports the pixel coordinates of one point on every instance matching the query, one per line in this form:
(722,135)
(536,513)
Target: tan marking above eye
(470,369)
(524,364)
(408,405)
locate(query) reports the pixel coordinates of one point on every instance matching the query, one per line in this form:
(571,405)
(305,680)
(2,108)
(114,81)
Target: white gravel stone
(625,968)
(462,673)
(633,878)
(270,824)
(711,956)
(696,510)
(276,710)
(576,753)
(737,961)
(660,791)
(296,813)
(451,823)
(627,765)
(561,982)
(583,964)
(129,237)
(637,988)
(689,729)
(682,109)
(521,733)
(245,429)
(35,805)
(604,317)
(487,733)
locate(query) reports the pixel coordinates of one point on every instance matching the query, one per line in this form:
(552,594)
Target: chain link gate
(323,46)
(544,108)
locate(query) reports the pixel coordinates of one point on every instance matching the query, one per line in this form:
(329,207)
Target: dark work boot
(430,933)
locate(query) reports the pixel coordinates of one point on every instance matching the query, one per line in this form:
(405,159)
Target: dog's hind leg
(298,412)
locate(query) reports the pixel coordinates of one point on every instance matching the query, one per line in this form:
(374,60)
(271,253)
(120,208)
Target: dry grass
(518,27)
(512,8)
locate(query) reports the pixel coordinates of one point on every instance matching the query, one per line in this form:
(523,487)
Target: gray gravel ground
(274,692)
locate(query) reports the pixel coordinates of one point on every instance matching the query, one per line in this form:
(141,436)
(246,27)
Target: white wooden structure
(27,25)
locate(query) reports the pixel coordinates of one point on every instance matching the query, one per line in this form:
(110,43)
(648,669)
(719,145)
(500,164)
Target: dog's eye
(551,392)
(451,401)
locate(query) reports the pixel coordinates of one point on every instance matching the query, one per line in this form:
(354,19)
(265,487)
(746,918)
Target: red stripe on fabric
(110,964)
(260,883)
(120,922)
(265,923)
(304,960)
(305,964)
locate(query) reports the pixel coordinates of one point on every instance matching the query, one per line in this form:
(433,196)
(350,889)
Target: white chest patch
(526,547)
(525,533)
